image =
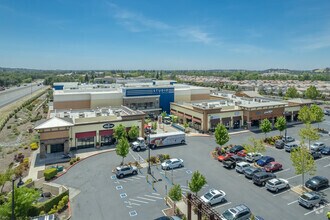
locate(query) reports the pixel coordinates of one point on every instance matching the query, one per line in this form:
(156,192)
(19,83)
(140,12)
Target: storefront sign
(268,112)
(108,126)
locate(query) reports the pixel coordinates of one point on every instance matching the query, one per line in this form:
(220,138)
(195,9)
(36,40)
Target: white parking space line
(315,210)
(124,181)
(323,158)
(130,152)
(285,191)
(221,205)
(135,200)
(282,171)
(137,178)
(152,200)
(154,197)
(157,194)
(129,179)
(327,165)
(292,202)
(293,177)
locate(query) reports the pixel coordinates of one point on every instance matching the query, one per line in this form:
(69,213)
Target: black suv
(230,163)
(236,149)
(262,177)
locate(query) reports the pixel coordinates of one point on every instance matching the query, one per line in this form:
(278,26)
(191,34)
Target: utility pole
(149,167)
(13,200)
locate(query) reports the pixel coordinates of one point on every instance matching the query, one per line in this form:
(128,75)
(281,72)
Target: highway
(13,94)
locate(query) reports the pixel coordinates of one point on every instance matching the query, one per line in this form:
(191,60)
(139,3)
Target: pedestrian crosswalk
(131,179)
(143,199)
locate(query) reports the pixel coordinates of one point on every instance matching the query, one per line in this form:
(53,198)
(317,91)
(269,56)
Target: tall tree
(24,199)
(122,148)
(197,182)
(292,92)
(280,124)
(312,93)
(306,115)
(175,194)
(309,133)
(133,133)
(303,161)
(265,126)
(120,132)
(257,146)
(318,114)
(4,177)
(221,134)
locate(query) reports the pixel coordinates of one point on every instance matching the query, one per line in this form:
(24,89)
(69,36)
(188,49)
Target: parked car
(67,156)
(317,182)
(262,177)
(241,153)
(290,147)
(326,150)
(250,171)
(277,184)
(169,218)
(310,199)
(317,146)
(225,157)
(230,163)
(236,149)
(251,157)
(316,154)
(240,212)
(214,196)
(279,144)
(126,170)
(288,139)
(326,111)
(273,166)
(241,166)
(265,160)
(172,163)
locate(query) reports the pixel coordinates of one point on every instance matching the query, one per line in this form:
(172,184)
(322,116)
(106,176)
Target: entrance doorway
(55,148)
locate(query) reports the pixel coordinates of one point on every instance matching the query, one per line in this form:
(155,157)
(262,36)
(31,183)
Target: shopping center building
(67,130)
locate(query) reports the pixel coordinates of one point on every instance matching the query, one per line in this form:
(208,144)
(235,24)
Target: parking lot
(103,195)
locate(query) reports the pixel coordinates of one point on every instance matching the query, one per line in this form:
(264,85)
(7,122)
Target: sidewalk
(183,208)
(33,171)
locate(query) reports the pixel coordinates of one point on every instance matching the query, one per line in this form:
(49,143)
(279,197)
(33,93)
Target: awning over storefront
(106,132)
(237,118)
(86,134)
(225,120)
(188,116)
(179,114)
(197,120)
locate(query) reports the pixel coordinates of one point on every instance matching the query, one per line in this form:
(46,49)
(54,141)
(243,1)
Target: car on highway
(317,146)
(214,196)
(273,166)
(253,156)
(277,184)
(326,150)
(172,163)
(279,144)
(264,160)
(310,199)
(225,156)
(240,212)
(126,170)
(231,162)
(317,182)
(250,171)
(290,147)
(262,177)
(242,153)
(288,139)
(236,149)
(316,154)
(240,166)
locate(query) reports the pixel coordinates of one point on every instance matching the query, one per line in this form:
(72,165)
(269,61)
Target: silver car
(240,212)
(277,184)
(317,146)
(172,163)
(126,170)
(310,199)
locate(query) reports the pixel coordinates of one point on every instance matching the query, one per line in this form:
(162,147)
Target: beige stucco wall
(221,115)
(292,108)
(54,135)
(106,99)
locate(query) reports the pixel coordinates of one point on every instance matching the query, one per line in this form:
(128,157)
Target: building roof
(250,94)
(54,123)
(300,101)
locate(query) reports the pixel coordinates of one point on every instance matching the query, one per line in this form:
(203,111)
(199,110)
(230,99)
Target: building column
(249,125)
(292,116)
(231,124)
(66,147)
(42,150)
(273,121)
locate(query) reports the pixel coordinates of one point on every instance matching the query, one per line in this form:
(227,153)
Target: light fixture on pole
(149,168)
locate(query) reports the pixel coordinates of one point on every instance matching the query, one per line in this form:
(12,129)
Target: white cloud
(195,34)
(314,41)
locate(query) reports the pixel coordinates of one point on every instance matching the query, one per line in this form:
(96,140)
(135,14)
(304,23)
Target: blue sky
(165,34)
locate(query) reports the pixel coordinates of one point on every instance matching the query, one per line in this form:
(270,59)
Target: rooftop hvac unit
(81,115)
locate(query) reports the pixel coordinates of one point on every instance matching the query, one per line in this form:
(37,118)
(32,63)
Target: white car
(277,184)
(172,163)
(251,157)
(317,146)
(241,166)
(214,196)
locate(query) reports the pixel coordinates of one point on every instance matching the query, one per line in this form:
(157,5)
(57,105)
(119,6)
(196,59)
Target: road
(11,95)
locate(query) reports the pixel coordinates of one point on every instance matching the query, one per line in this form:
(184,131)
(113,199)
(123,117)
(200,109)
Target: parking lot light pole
(13,200)
(149,168)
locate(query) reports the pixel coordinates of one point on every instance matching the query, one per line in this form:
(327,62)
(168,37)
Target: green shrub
(28,181)
(50,173)
(78,158)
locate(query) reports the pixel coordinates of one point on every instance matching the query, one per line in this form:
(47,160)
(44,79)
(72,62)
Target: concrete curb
(70,212)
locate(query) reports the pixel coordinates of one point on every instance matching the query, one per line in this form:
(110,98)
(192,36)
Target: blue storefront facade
(166,95)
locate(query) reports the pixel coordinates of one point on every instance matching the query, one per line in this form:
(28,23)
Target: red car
(273,166)
(241,153)
(225,157)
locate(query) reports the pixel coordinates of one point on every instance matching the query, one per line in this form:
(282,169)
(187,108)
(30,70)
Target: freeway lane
(13,95)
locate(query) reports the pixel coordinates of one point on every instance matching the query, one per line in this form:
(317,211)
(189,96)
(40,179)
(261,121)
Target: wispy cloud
(195,34)
(315,41)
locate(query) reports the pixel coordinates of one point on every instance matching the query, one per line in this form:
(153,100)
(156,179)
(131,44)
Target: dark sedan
(317,182)
(236,149)
(248,172)
(326,150)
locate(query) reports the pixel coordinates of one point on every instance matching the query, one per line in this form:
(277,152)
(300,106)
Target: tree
(163,114)
(280,124)
(122,148)
(197,182)
(175,194)
(309,133)
(265,126)
(185,125)
(303,161)
(292,92)
(306,115)
(133,133)
(120,132)
(4,177)
(24,198)
(312,93)
(318,114)
(257,146)
(221,134)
